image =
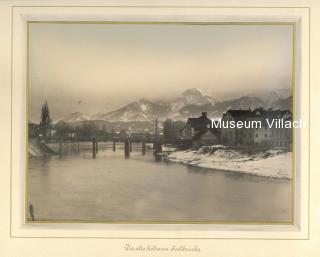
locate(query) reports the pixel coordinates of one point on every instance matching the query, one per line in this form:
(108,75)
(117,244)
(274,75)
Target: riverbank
(38,149)
(271,163)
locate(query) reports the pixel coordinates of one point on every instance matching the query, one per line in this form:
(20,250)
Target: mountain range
(190,104)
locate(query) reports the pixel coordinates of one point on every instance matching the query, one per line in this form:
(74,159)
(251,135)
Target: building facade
(260,133)
(199,132)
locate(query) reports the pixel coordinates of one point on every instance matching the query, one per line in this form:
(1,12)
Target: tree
(171,129)
(88,129)
(45,120)
(62,129)
(104,130)
(168,131)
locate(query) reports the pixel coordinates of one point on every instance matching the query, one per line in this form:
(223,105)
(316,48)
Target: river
(77,187)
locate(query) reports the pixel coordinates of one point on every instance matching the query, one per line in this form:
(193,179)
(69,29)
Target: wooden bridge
(127,143)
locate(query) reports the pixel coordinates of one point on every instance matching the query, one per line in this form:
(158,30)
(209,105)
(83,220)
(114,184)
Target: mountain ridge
(190,104)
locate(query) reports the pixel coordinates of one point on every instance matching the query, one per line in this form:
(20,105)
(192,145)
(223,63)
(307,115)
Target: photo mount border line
(293,24)
(165,222)
(165,6)
(293,172)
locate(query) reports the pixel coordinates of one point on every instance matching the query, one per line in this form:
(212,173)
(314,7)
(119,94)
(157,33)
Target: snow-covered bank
(272,163)
(38,149)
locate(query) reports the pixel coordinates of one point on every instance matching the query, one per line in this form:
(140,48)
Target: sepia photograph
(151,122)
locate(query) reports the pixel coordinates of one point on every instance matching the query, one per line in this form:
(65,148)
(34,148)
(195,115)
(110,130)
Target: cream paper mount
(24,15)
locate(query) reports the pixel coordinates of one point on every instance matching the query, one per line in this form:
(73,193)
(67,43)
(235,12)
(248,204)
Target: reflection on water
(113,188)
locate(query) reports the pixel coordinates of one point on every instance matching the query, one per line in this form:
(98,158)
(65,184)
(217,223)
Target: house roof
(197,122)
(241,115)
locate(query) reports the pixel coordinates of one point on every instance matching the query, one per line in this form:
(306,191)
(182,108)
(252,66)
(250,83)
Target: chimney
(204,114)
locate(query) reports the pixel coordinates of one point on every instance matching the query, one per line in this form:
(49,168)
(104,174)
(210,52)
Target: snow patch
(272,163)
(143,107)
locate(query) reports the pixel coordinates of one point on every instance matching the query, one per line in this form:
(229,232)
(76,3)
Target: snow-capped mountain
(269,98)
(75,117)
(142,110)
(244,103)
(283,103)
(216,110)
(190,104)
(275,98)
(192,96)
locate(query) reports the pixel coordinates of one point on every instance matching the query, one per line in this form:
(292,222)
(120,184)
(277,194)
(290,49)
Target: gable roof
(240,115)
(260,113)
(200,122)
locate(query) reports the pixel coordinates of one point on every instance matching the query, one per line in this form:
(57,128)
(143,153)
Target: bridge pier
(114,145)
(93,148)
(78,146)
(126,148)
(157,146)
(143,147)
(60,148)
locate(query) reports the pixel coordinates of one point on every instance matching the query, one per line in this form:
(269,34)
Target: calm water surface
(112,188)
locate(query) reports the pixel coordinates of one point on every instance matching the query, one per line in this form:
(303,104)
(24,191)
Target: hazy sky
(95,68)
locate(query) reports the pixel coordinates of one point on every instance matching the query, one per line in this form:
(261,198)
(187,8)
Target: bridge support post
(130,145)
(78,146)
(114,145)
(143,147)
(126,148)
(96,146)
(60,147)
(157,147)
(93,148)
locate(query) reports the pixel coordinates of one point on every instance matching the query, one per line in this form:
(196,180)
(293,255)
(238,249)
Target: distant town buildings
(196,132)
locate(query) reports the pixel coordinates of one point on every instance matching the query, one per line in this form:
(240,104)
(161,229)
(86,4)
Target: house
(136,136)
(282,137)
(33,129)
(71,134)
(262,134)
(205,137)
(52,132)
(278,136)
(231,135)
(194,125)
(199,131)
